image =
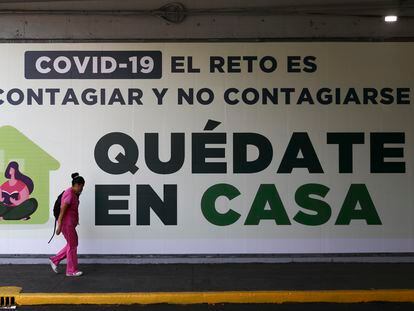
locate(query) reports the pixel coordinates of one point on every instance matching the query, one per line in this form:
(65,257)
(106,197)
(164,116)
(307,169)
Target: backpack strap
(54,230)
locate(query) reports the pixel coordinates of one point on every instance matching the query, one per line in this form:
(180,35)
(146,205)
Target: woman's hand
(58,229)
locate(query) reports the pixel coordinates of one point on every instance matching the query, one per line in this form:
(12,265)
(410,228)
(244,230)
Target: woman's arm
(63,209)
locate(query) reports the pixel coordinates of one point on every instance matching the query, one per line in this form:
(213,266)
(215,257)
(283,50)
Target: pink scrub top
(71,216)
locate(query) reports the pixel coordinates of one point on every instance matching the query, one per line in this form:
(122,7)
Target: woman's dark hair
(19,176)
(76,179)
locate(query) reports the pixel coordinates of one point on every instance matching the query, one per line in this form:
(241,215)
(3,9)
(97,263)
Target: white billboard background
(69,133)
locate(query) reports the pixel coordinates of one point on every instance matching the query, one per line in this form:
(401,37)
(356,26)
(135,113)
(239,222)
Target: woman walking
(67,222)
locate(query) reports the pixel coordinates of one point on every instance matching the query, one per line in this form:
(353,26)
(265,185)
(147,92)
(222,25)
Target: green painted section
(35,163)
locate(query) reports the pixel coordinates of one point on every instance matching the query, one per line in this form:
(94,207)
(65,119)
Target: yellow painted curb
(333,296)
(9,290)
(8,295)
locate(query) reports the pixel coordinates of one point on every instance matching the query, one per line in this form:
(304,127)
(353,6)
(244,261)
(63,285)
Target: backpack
(56,212)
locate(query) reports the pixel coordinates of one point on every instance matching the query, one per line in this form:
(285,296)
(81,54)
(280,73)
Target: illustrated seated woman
(15,201)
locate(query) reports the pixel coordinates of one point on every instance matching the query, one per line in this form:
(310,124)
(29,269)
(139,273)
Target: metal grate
(7,302)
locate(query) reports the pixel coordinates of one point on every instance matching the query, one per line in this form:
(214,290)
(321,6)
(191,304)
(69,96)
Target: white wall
(23,27)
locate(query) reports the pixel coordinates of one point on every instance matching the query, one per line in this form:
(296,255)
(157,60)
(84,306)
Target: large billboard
(200,148)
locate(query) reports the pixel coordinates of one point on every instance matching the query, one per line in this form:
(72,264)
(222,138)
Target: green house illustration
(32,162)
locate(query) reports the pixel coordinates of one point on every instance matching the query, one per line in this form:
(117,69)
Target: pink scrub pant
(70,250)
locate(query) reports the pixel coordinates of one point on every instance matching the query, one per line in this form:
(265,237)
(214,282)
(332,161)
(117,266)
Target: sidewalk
(217,278)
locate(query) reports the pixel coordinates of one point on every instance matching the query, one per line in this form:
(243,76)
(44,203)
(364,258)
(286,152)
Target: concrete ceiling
(229,7)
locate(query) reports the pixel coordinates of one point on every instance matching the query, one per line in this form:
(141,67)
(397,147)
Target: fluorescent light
(391,18)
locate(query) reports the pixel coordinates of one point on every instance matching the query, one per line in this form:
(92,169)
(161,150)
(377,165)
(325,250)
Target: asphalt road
(216,277)
(211,277)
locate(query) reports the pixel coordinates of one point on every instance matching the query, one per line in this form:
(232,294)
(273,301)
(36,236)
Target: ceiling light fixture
(391,18)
